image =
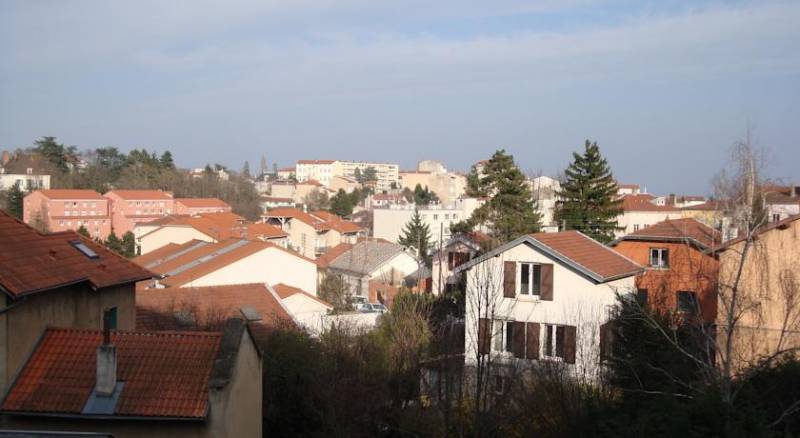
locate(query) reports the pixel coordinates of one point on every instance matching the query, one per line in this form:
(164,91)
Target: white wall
(167,235)
(577,302)
(271,266)
(400,265)
(643,219)
(307,312)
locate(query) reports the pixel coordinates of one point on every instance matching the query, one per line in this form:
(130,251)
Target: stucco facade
(68,210)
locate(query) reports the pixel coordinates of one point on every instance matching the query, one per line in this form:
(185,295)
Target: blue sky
(665,87)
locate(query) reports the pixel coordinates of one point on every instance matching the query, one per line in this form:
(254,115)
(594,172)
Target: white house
(544,297)
(643,210)
(371,260)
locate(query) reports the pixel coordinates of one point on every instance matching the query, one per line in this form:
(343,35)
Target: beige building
(324,171)
(768,292)
(389,222)
(448,186)
(311,234)
(343,183)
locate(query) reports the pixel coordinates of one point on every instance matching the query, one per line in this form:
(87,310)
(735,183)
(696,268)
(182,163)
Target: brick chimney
(106,361)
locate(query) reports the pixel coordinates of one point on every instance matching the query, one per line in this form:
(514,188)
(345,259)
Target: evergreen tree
(423,196)
(474,188)
(263,168)
(84,232)
(246,169)
(166,160)
(128,245)
(588,197)
(14,201)
(113,243)
(510,212)
(416,235)
(342,204)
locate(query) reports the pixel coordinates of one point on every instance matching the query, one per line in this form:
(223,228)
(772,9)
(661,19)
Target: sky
(665,87)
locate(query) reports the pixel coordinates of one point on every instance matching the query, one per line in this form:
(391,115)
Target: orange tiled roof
(679,229)
(203,202)
(311,182)
(32,262)
(316,161)
(643,203)
(166,374)
(337,223)
(71,194)
(285,291)
(296,213)
(222,225)
(587,253)
(330,255)
(206,304)
(142,194)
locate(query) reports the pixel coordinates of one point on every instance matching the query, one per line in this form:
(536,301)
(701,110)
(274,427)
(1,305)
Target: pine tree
(113,243)
(83,232)
(416,235)
(510,212)
(588,198)
(246,169)
(166,160)
(14,201)
(128,245)
(474,189)
(263,168)
(342,204)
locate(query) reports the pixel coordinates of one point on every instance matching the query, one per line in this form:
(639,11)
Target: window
(84,249)
(503,336)
(435,217)
(554,341)
(687,302)
(530,279)
(641,297)
(659,257)
(635,227)
(776,217)
(110,318)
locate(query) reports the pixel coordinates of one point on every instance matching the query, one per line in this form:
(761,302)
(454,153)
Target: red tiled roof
(679,229)
(337,223)
(330,255)
(166,374)
(31,262)
(300,215)
(285,291)
(316,161)
(643,203)
(210,305)
(202,202)
(588,253)
(71,194)
(142,194)
(222,225)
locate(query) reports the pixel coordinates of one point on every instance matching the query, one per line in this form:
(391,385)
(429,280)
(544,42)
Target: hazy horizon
(665,88)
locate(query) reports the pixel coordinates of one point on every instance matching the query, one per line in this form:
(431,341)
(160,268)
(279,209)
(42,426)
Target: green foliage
(14,198)
(510,211)
(317,200)
(84,232)
(113,243)
(416,235)
(246,169)
(128,245)
(342,203)
(370,174)
(423,196)
(166,161)
(588,197)
(474,187)
(60,156)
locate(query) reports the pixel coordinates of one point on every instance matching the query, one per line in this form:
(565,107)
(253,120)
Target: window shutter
(605,340)
(509,279)
(532,340)
(569,343)
(518,338)
(547,283)
(484,336)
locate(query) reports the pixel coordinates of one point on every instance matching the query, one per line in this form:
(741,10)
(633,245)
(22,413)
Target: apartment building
(312,234)
(388,175)
(390,221)
(318,170)
(24,170)
(129,207)
(61,210)
(448,186)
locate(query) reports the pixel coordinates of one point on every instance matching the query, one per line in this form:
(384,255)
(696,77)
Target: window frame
(534,288)
(551,348)
(663,262)
(694,304)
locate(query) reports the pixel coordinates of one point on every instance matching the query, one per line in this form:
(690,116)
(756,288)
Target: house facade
(372,261)
(681,269)
(544,297)
(312,234)
(129,207)
(643,210)
(201,205)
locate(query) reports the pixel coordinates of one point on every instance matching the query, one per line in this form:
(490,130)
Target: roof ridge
(154,333)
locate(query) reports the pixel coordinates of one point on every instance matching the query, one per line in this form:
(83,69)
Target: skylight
(84,249)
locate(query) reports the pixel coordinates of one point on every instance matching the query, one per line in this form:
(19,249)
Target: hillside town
(356,297)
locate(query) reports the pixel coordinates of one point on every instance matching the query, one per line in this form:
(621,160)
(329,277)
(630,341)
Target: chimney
(106,361)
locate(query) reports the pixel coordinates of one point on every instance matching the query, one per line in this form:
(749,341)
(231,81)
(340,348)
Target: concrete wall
(630,219)
(307,311)
(769,293)
(577,302)
(271,266)
(73,306)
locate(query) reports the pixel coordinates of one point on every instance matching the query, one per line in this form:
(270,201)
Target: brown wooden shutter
(547,283)
(606,340)
(484,335)
(570,333)
(509,279)
(518,338)
(532,340)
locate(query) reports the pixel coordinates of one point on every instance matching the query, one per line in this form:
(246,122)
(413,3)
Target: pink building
(61,210)
(129,207)
(194,206)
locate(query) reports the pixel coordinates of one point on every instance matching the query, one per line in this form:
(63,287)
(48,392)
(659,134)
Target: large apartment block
(324,170)
(61,210)
(129,207)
